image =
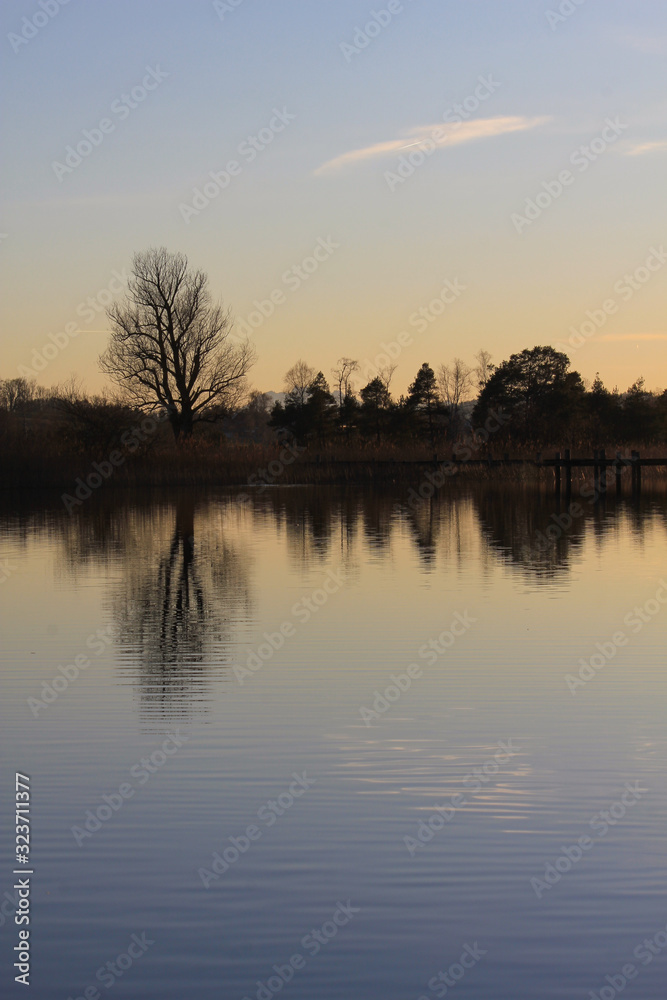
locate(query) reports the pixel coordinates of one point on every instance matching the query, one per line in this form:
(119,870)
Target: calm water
(185,590)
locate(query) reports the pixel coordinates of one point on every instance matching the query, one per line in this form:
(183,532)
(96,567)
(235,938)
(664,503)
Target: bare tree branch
(342,373)
(298,381)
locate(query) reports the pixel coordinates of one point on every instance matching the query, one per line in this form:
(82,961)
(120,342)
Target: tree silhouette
(483,368)
(171,346)
(309,407)
(537,389)
(375,405)
(454,381)
(296,383)
(423,396)
(342,373)
(320,407)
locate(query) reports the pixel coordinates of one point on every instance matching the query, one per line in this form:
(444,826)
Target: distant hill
(275,397)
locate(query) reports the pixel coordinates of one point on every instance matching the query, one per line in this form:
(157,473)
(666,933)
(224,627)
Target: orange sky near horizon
(336,181)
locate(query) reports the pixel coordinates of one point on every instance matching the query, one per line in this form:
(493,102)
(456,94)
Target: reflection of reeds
(32,462)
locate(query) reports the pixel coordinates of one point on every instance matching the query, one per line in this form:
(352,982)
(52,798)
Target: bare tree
(386,374)
(342,373)
(71,390)
(483,368)
(15,393)
(171,346)
(297,382)
(454,382)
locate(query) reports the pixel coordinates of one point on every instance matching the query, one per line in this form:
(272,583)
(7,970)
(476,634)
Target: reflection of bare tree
(177,585)
(181,594)
(178,575)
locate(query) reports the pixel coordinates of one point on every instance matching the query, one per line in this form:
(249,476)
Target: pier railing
(562,463)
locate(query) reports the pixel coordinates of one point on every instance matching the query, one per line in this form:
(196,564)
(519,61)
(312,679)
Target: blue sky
(556,84)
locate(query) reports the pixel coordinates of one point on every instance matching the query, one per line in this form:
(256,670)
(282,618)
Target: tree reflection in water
(180,567)
(181,594)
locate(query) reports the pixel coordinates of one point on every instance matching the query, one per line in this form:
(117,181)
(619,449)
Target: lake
(324,744)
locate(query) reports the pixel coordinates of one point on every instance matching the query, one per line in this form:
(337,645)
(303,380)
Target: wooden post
(603,455)
(636,472)
(596,473)
(619,482)
(557,473)
(568,472)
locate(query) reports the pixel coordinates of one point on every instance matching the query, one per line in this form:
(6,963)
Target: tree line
(173,350)
(541,399)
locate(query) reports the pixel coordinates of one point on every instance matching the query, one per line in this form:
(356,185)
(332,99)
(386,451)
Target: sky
(410,179)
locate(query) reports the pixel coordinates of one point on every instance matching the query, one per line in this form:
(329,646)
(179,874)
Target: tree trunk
(186,424)
(181,423)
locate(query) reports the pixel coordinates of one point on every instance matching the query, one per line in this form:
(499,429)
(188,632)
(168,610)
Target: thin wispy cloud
(620,337)
(642,148)
(438,135)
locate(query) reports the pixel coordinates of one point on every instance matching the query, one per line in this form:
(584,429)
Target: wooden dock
(600,463)
(562,463)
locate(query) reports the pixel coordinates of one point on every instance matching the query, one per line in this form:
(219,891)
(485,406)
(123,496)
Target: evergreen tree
(423,397)
(375,407)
